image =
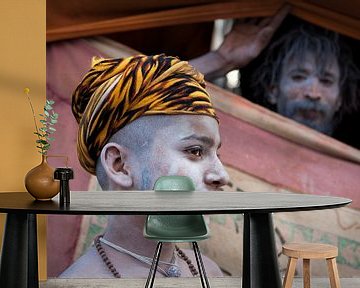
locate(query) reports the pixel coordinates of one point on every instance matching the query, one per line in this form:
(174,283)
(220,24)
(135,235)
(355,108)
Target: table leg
(18,267)
(33,274)
(260,265)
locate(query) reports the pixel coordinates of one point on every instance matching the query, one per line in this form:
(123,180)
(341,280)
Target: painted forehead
(194,128)
(308,61)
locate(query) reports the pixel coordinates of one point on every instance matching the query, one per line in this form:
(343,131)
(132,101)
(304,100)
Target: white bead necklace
(172,271)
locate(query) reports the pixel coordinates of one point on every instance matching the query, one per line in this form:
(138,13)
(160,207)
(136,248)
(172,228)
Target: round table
(260,267)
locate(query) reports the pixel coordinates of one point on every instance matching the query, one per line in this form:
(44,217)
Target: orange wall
(22,64)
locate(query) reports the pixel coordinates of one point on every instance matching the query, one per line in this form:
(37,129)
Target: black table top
(150,202)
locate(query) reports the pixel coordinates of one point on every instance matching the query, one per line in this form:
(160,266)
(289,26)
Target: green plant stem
(33,112)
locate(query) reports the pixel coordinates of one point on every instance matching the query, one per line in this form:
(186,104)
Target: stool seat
(307,251)
(310,250)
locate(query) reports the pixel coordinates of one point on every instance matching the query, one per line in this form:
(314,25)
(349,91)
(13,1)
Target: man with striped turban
(141,118)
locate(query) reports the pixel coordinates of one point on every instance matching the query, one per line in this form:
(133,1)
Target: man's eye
(326,81)
(297,77)
(196,151)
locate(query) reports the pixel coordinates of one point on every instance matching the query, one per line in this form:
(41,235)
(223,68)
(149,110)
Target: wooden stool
(308,251)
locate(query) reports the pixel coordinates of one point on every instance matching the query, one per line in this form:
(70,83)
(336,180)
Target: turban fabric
(117,91)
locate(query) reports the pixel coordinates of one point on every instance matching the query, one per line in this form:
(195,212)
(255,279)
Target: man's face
(308,94)
(188,147)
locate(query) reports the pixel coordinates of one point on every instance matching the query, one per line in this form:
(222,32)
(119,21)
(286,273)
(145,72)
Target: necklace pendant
(173,271)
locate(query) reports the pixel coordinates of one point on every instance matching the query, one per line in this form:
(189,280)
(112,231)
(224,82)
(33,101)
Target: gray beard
(326,127)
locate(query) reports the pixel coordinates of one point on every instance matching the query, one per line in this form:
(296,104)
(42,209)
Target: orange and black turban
(117,91)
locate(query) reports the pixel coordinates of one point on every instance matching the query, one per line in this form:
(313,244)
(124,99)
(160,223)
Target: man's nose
(217,176)
(313,91)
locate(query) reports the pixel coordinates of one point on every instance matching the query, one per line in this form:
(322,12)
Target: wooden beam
(326,18)
(202,13)
(194,14)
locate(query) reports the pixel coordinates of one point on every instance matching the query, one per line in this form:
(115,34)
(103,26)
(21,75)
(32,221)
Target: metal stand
(203,277)
(259,252)
(153,268)
(19,264)
(155,262)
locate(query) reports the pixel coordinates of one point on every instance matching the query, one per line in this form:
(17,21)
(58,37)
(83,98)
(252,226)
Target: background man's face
(188,148)
(309,94)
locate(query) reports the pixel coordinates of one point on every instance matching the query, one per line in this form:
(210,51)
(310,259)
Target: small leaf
(48,107)
(51,102)
(46,113)
(50,138)
(53,121)
(41,141)
(52,129)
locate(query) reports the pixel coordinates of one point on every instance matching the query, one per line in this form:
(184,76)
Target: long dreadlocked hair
(323,44)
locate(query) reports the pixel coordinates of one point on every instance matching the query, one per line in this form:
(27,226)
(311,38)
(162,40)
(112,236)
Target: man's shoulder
(211,268)
(90,265)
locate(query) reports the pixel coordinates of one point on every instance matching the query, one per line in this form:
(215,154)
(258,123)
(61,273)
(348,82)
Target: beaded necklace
(97,242)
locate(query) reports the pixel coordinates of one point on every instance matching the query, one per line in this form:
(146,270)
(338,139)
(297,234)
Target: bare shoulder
(89,265)
(212,269)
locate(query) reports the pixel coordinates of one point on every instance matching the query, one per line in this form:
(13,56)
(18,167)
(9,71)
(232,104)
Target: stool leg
(290,271)
(203,277)
(153,268)
(333,273)
(306,273)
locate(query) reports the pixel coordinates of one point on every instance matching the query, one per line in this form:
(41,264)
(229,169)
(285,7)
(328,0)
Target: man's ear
(114,159)
(272,94)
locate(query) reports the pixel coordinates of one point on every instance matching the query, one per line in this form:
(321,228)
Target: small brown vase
(40,182)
